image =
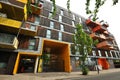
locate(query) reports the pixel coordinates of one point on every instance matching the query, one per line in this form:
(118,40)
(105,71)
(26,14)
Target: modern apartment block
(31,40)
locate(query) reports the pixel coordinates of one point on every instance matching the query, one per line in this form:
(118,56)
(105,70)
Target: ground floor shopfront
(54,56)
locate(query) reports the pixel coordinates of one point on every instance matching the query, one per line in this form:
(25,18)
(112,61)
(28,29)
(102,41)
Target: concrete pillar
(36,64)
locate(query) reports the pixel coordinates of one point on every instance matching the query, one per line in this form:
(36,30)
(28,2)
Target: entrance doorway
(56,56)
(26,64)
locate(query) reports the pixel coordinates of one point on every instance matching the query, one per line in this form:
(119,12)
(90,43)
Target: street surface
(109,76)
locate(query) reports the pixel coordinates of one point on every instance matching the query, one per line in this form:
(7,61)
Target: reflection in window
(80,20)
(111,54)
(93,52)
(32,27)
(51,24)
(73,23)
(60,36)
(61,12)
(106,53)
(73,17)
(37,20)
(50,15)
(99,52)
(31,44)
(61,27)
(48,35)
(60,18)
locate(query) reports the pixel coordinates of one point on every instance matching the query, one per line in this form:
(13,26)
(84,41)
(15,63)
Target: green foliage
(54,7)
(83,44)
(68,5)
(98,4)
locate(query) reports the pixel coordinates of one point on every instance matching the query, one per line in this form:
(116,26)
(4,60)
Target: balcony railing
(14,9)
(99,28)
(95,36)
(8,41)
(107,45)
(9,23)
(29,29)
(91,23)
(26,43)
(102,36)
(36,9)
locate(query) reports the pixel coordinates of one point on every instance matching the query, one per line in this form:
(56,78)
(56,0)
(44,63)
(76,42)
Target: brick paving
(54,75)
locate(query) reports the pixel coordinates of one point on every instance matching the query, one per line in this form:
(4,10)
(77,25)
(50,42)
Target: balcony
(9,23)
(99,28)
(105,25)
(29,29)
(110,37)
(28,44)
(36,9)
(107,45)
(14,9)
(95,36)
(91,23)
(102,37)
(8,41)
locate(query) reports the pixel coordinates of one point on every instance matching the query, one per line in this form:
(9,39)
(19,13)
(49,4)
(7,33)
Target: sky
(107,12)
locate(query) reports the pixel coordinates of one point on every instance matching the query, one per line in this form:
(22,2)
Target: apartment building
(31,40)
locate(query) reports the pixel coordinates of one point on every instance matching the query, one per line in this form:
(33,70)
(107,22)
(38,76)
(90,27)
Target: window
(111,54)
(60,18)
(48,35)
(52,9)
(93,52)
(73,17)
(106,53)
(51,24)
(60,36)
(61,27)
(75,30)
(116,54)
(80,20)
(31,44)
(33,27)
(99,52)
(73,23)
(50,15)
(37,20)
(61,12)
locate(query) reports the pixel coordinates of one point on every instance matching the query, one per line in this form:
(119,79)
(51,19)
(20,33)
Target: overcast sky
(107,12)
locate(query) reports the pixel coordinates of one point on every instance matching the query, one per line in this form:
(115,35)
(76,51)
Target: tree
(98,4)
(83,44)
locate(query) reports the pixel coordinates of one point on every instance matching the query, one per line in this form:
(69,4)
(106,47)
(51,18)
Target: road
(109,76)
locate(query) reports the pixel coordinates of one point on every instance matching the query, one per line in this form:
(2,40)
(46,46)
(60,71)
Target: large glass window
(73,17)
(111,54)
(51,24)
(99,52)
(60,36)
(60,18)
(61,12)
(93,52)
(80,20)
(73,23)
(48,35)
(106,53)
(61,27)
(50,15)
(37,20)
(31,44)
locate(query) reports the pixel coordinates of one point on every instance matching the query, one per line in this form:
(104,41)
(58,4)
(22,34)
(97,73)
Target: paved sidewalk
(54,75)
